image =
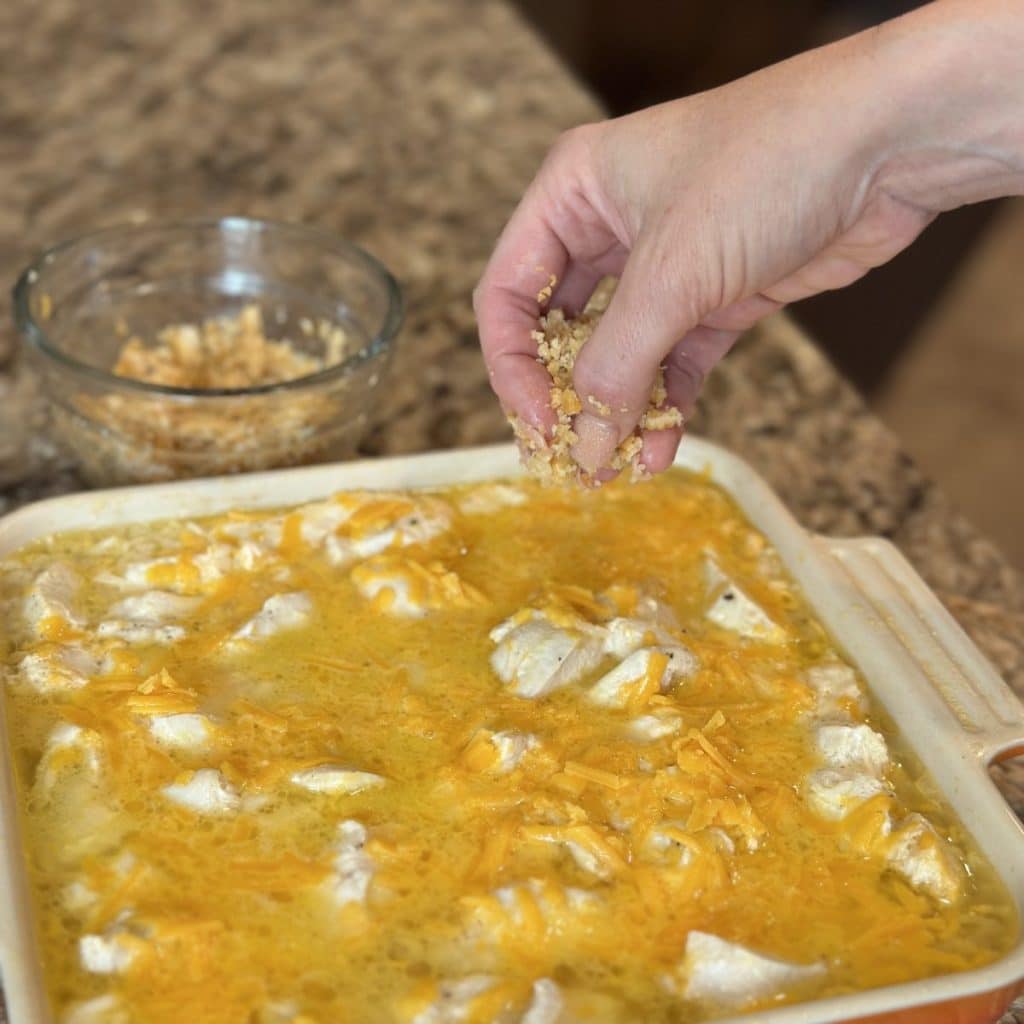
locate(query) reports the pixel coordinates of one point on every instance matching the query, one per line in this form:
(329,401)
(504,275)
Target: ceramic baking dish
(953,709)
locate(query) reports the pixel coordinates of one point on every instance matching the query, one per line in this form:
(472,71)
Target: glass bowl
(335,307)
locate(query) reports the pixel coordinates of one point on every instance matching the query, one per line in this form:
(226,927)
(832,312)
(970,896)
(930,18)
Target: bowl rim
(33,334)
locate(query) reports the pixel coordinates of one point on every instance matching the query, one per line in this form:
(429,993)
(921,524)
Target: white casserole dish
(955,712)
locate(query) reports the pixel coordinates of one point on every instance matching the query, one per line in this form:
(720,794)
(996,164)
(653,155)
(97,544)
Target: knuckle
(686,370)
(603,390)
(572,145)
(666,267)
(566,141)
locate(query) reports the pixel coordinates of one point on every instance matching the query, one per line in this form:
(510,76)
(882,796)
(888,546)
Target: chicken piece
(549,897)
(279,613)
(856,747)
(672,845)
(103,954)
(729,976)
(205,792)
(60,668)
(167,573)
(623,636)
(546,1004)
(78,897)
(333,778)
(263,534)
(656,668)
(155,607)
(148,618)
(732,609)
(283,1012)
(669,843)
(511,748)
(105,1009)
(429,519)
(185,731)
(517,917)
(559,906)
(925,859)
(219,559)
(115,950)
(353,867)
(655,727)
(52,597)
(321,521)
(537,658)
(404,587)
(394,589)
(68,747)
(589,849)
(497,753)
(198,573)
(834,794)
(586,859)
(455,999)
(486,499)
(836,690)
(327,524)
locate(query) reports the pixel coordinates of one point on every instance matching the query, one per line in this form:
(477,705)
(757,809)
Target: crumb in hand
(559,341)
(546,292)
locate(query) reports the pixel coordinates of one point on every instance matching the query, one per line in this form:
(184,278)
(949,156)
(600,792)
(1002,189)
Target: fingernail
(596,442)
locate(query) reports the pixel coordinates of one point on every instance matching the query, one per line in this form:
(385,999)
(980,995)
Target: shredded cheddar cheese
(428,757)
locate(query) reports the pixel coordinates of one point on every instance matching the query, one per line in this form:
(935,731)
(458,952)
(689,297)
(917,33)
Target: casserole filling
(494,753)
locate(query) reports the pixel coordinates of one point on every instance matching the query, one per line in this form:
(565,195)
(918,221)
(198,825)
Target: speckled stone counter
(411,127)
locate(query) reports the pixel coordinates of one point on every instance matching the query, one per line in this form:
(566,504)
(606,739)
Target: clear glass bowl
(79,302)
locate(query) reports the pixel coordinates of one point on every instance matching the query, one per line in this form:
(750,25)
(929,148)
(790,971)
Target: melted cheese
(494,754)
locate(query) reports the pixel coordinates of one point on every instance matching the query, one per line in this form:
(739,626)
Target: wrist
(953,126)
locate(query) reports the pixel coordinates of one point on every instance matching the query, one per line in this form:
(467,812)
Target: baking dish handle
(986,708)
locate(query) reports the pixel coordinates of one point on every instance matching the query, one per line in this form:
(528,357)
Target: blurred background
(935,339)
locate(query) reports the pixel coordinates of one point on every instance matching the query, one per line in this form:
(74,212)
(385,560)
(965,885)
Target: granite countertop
(411,128)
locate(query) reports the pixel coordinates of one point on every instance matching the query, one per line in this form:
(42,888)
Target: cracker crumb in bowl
(559,341)
(226,352)
(207,347)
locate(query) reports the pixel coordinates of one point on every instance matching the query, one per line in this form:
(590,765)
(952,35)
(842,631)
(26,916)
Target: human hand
(719,208)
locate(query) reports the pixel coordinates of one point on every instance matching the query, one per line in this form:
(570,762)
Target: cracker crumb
(639,473)
(546,292)
(224,352)
(559,341)
(154,437)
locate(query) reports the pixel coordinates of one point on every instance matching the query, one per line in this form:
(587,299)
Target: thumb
(616,370)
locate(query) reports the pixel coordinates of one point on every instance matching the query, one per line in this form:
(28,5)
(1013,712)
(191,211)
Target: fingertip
(596,441)
(596,480)
(524,390)
(659,449)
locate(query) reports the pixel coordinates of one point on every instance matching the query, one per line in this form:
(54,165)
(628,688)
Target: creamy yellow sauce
(234,916)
